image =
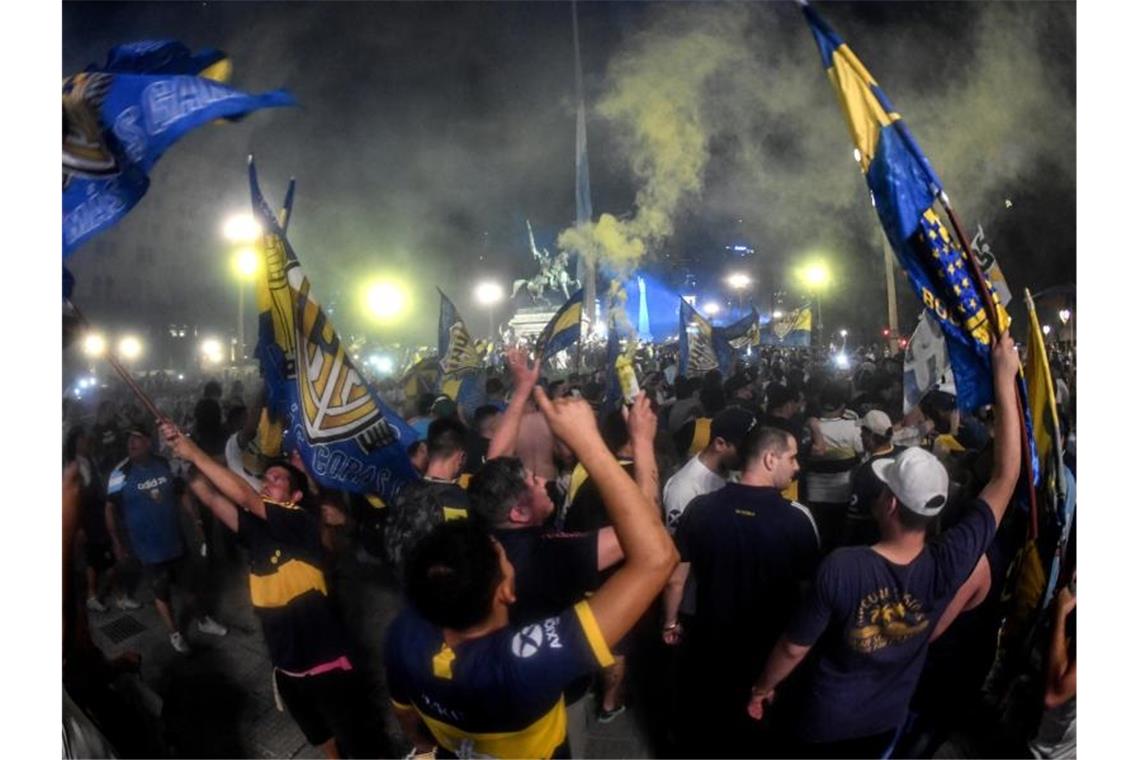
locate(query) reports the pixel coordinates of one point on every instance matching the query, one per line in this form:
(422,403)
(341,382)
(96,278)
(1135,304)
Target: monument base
(529,320)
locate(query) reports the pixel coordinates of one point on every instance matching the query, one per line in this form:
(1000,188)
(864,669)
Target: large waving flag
(347,436)
(697,355)
(118,120)
(563,330)
(904,188)
(791,330)
(462,374)
(730,339)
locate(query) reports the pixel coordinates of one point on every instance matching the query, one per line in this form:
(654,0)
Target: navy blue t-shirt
(748,548)
(870,621)
(552,570)
(147,495)
(499,695)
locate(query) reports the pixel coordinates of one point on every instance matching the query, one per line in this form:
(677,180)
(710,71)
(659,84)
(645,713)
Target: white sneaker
(95,605)
(179,643)
(208,625)
(127,603)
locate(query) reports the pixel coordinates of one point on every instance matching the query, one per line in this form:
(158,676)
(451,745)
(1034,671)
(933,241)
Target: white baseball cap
(877,422)
(916,478)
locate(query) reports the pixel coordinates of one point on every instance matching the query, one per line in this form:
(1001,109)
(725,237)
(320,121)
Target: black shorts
(332,704)
(99,557)
(162,576)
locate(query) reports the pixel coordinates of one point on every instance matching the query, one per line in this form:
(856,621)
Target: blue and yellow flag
(563,330)
(118,120)
(697,355)
(422,377)
(730,339)
(346,435)
(793,330)
(462,374)
(904,188)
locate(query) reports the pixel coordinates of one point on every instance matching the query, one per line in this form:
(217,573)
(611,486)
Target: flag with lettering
(462,373)
(120,118)
(697,355)
(346,435)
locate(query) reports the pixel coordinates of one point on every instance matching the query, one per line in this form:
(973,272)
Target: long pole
(991,317)
(892,300)
(241,320)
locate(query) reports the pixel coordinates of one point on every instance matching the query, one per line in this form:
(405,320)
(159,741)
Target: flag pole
(991,317)
(122,371)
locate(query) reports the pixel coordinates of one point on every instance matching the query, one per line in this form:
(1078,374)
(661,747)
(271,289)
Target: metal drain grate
(121,629)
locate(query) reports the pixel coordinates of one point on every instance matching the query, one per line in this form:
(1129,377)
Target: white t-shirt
(689,482)
(844,441)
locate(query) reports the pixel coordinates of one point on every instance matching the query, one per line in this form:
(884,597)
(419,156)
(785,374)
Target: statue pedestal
(529,320)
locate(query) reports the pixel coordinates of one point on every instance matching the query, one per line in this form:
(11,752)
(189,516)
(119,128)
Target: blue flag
(462,374)
(347,436)
(730,339)
(563,330)
(791,330)
(118,121)
(904,188)
(697,355)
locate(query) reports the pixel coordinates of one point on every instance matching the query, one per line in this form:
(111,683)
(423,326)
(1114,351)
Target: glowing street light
(246,263)
(211,350)
(385,300)
(1046,329)
(130,347)
(1064,314)
(815,276)
(738,280)
(842,333)
(94,345)
(241,228)
(712,308)
(489,293)
(777,314)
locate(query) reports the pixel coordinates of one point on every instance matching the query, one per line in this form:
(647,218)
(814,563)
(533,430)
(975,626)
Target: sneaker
(607,716)
(127,603)
(95,605)
(179,643)
(208,625)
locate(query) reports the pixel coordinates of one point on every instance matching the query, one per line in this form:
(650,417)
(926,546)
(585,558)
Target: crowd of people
(770,561)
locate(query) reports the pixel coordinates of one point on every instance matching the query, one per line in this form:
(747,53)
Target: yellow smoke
(656,96)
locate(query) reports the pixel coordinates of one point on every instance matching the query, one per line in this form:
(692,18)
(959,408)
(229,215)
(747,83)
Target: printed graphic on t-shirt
(885,619)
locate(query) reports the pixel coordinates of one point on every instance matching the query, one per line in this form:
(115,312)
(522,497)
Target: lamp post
(815,277)
(243,230)
(739,282)
(489,293)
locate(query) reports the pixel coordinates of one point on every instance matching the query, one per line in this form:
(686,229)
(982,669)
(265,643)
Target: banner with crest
(791,330)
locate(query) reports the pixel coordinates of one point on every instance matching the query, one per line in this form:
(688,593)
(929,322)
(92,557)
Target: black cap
(732,424)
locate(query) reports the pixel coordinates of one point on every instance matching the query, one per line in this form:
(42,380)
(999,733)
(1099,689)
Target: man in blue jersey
(144,491)
(874,609)
(462,678)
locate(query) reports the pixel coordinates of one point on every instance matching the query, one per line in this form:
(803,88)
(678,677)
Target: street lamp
(241,228)
(94,345)
(246,263)
(739,281)
(1046,329)
(488,294)
(815,276)
(712,308)
(385,300)
(1064,314)
(130,347)
(211,350)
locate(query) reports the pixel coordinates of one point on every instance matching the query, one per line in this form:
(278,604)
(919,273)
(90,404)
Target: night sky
(429,132)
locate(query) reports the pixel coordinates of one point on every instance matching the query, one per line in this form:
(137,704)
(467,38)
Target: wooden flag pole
(991,317)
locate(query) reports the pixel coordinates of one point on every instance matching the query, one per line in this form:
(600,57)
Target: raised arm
(1007,429)
(525,376)
(649,553)
(232,485)
(1061,676)
(219,505)
(642,422)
